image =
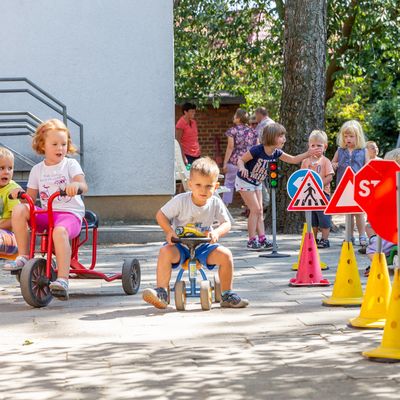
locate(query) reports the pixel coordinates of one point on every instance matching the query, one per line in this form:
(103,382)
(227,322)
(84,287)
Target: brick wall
(212,124)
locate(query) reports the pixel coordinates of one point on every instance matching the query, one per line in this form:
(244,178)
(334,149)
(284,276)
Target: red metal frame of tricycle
(77,270)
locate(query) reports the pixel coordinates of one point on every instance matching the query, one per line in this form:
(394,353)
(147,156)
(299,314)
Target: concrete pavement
(102,344)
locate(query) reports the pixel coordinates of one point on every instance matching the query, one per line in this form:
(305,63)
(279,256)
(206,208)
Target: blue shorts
(201,254)
(321,220)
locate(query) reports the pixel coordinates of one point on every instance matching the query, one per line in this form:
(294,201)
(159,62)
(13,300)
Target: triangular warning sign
(309,196)
(342,201)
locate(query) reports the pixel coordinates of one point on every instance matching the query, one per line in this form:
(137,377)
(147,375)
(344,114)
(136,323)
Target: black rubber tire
(34,283)
(217,289)
(131,276)
(180,295)
(205,295)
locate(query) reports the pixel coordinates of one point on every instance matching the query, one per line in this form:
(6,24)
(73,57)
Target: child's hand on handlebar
(214,236)
(72,189)
(170,235)
(14,193)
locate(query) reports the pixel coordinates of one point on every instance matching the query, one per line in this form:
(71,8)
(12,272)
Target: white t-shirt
(48,179)
(181,211)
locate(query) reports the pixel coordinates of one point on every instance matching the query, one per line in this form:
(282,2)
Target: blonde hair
(354,127)
(5,153)
(271,132)
(39,138)
(206,167)
(393,155)
(318,135)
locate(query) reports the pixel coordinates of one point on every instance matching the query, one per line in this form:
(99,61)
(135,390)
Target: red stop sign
(375,193)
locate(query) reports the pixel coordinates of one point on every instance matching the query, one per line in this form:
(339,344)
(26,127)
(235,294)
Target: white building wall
(111,63)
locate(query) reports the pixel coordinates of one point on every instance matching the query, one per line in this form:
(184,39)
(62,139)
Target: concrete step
(140,234)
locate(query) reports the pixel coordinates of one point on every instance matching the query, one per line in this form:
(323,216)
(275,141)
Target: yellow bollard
(347,290)
(377,296)
(389,350)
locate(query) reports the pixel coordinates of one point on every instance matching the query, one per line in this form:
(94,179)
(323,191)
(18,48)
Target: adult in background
(187,134)
(240,138)
(263,120)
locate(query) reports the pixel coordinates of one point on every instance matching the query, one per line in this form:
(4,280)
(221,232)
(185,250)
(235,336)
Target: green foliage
(236,46)
(226,45)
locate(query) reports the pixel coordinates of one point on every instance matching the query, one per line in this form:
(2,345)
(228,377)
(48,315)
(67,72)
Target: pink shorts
(69,221)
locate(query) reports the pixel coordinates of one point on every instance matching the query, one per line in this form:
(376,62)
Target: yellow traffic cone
(347,290)
(377,296)
(390,345)
(295,265)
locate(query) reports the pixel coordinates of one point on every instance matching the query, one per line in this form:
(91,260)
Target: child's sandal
(59,289)
(16,264)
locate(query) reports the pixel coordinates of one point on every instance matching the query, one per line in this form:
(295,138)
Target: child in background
(351,152)
(54,173)
(200,208)
(386,246)
(373,150)
(253,170)
(240,139)
(323,166)
(8,245)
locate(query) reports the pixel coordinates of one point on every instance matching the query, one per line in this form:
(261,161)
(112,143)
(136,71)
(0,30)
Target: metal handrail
(34,117)
(63,107)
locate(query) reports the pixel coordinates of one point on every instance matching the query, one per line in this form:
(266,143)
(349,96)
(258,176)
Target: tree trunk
(303,94)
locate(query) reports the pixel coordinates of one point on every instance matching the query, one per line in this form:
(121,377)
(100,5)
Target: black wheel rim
(40,283)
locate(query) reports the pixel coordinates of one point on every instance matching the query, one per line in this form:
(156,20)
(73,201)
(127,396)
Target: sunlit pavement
(103,344)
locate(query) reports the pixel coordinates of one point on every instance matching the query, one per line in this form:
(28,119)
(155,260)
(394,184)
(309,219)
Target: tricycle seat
(91,219)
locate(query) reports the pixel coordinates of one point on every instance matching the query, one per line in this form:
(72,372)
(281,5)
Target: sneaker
(158,297)
(16,264)
(363,250)
(253,245)
(366,272)
(233,300)
(363,241)
(323,244)
(266,244)
(59,289)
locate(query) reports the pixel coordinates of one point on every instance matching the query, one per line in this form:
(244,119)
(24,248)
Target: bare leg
(19,221)
(222,257)
(360,221)
(315,231)
(62,249)
(325,233)
(168,255)
(256,211)
(260,222)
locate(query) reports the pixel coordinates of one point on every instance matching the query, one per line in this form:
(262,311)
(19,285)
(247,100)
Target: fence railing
(21,123)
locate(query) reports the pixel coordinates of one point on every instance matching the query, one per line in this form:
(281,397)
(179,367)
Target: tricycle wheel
(217,289)
(205,295)
(35,284)
(131,276)
(180,295)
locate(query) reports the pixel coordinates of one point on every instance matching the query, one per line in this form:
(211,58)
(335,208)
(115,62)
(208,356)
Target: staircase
(23,123)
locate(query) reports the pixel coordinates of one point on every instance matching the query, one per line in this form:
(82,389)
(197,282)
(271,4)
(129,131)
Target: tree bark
(303,91)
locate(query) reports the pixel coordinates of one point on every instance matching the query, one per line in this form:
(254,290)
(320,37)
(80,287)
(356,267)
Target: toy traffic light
(273,174)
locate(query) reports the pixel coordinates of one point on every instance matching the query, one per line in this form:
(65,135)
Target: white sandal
(16,264)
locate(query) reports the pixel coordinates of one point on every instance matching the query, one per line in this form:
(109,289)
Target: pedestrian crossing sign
(309,196)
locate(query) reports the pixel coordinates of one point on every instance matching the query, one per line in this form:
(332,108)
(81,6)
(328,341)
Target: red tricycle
(39,272)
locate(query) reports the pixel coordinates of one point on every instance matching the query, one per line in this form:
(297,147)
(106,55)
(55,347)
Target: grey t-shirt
(260,127)
(181,211)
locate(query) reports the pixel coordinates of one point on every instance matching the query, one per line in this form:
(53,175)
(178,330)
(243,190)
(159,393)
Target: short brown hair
(41,133)
(271,132)
(206,167)
(242,115)
(262,111)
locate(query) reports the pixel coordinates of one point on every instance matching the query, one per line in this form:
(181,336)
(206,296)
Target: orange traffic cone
(295,265)
(377,295)
(389,350)
(309,272)
(347,290)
